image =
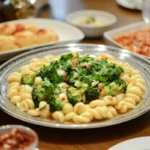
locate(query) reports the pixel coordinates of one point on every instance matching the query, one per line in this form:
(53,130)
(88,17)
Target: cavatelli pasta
(104,106)
(15,77)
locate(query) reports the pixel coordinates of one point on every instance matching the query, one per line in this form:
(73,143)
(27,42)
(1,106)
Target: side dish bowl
(102,21)
(109,35)
(130,4)
(11,128)
(136,61)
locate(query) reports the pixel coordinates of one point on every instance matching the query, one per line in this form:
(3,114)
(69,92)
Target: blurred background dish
(130,4)
(17,137)
(134,37)
(141,143)
(24,35)
(146,11)
(92,22)
(61,8)
(65,33)
(18,9)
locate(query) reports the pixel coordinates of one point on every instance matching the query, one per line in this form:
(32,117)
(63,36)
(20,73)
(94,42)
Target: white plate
(66,33)
(142,143)
(108,35)
(130,4)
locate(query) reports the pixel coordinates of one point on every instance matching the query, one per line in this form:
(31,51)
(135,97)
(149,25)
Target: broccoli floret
(115,73)
(106,71)
(89,70)
(54,65)
(46,71)
(85,58)
(71,78)
(56,79)
(28,79)
(50,87)
(50,72)
(96,65)
(116,87)
(92,93)
(55,104)
(65,58)
(42,72)
(86,79)
(38,94)
(89,78)
(76,95)
(111,72)
(44,91)
(46,83)
(79,70)
(65,62)
(67,66)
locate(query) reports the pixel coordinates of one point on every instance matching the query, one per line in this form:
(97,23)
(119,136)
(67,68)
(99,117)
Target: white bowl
(92,30)
(7,128)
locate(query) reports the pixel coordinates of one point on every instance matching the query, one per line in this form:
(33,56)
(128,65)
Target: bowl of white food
(92,22)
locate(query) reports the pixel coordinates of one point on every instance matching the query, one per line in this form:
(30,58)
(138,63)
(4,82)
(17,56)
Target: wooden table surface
(91,139)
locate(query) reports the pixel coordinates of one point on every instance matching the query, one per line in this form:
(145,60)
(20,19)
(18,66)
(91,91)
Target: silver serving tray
(136,61)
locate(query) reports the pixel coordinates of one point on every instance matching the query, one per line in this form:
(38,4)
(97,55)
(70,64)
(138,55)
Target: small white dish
(109,35)
(130,4)
(92,30)
(7,128)
(141,143)
(65,32)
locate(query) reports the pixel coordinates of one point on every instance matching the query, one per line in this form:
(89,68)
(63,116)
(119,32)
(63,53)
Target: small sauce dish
(14,137)
(93,23)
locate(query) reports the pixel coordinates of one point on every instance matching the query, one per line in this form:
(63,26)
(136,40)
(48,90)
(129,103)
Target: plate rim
(72,125)
(128,141)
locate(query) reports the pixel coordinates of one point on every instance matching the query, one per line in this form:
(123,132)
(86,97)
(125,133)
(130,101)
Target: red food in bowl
(16,139)
(137,41)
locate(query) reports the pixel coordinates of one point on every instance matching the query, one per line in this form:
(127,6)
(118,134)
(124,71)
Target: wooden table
(92,139)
